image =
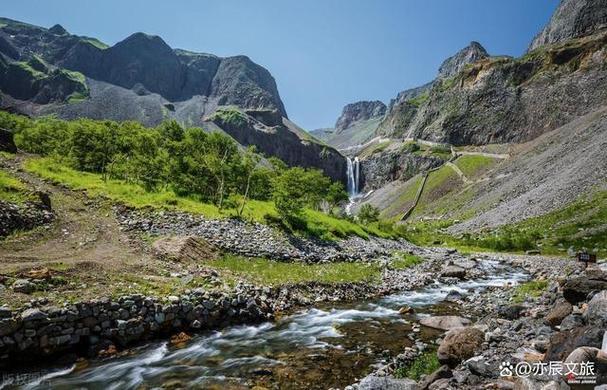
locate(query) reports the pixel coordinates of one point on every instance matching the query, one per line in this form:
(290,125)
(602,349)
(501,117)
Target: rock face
(355,126)
(572,19)
(359,111)
(380,169)
(468,55)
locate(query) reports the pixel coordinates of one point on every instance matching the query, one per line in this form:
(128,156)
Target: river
(316,348)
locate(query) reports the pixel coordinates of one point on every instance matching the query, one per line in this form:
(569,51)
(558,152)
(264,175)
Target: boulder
(558,312)
(453,271)
(576,290)
(23,286)
(33,315)
(386,383)
(459,344)
(596,313)
(6,141)
(511,312)
(563,343)
(183,249)
(444,372)
(445,322)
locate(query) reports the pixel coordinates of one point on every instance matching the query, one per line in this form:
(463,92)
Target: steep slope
(355,125)
(52,72)
(572,19)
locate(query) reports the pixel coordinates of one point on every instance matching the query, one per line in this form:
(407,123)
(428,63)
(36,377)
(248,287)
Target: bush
(368,214)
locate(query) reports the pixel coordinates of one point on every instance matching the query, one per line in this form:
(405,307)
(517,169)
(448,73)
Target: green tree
(336,194)
(289,194)
(368,213)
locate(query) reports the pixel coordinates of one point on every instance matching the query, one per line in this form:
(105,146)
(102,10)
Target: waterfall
(353,174)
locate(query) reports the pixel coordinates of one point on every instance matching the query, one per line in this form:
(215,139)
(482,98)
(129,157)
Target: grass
(471,165)
(318,224)
(95,42)
(230,116)
(424,364)
(25,67)
(419,99)
(402,260)
(12,189)
(274,273)
(533,289)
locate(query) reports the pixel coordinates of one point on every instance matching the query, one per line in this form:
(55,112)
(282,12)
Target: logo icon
(506,369)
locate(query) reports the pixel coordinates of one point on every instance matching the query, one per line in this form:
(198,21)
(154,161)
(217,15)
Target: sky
(323,54)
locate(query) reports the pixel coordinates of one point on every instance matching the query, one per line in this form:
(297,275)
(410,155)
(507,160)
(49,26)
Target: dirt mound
(184,249)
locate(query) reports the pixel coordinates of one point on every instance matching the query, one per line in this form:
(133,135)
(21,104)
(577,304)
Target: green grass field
(472,165)
(274,273)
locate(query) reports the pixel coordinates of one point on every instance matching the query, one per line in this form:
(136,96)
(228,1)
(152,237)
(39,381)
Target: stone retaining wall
(89,327)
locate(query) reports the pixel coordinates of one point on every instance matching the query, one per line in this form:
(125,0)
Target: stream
(317,348)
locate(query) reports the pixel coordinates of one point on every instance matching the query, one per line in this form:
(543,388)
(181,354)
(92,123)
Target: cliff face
(355,126)
(572,19)
(359,111)
(468,55)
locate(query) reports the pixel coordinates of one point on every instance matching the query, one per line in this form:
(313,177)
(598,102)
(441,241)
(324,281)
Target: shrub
(368,214)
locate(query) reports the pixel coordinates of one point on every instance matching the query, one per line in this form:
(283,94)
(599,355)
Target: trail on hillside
(84,230)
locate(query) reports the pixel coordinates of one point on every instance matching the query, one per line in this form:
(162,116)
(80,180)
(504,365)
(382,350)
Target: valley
(165,224)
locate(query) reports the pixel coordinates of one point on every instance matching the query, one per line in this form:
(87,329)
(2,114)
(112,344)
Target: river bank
(350,333)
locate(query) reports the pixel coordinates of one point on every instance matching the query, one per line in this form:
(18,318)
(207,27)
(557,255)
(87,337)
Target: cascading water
(353,173)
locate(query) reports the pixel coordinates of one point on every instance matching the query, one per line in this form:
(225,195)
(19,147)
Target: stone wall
(89,327)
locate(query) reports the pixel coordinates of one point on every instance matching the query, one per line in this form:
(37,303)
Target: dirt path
(84,230)
(84,244)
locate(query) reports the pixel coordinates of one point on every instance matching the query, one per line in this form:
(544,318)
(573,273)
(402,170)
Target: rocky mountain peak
(58,30)
(358,111)
(572,19)
(468,55)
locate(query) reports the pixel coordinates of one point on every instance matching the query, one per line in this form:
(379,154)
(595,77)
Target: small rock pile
(24,216)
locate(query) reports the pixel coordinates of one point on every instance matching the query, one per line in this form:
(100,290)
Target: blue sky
(322,53)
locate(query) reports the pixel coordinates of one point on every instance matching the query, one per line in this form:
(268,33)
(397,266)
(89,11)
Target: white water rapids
(230,356)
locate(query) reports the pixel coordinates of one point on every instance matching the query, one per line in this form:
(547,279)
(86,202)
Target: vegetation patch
(12,189)
(403,260)
(230,116)
(419,99)
(473,165)
(534,289)
(273,273)
(424,364)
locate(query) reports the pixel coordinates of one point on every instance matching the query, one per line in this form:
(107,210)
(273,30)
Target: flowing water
(322,347)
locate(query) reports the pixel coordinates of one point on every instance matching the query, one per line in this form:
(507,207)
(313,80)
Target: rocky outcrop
(281,138)
(572,19)
(470,54)
(7,144)
(380,169)
(359,111)
(26,216)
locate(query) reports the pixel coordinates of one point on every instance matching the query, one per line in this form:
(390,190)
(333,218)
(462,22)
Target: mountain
(495,140)
(355,125)
(50,71)
(572,19)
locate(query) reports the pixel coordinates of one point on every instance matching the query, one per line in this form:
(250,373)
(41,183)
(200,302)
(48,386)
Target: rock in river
(459,344)
(445,322)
